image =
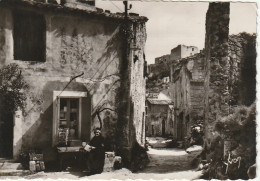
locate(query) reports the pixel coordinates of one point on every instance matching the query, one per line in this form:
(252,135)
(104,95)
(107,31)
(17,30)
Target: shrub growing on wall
(240,128)
(12,86)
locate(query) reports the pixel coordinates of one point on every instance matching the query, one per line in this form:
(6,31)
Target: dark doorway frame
(6,135)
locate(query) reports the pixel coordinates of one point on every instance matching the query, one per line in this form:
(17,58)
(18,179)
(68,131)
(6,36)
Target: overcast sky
(174,23)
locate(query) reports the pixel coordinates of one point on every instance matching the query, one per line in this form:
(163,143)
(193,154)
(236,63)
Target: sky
(174,23)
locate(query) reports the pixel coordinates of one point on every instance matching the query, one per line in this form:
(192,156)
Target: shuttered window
(29,35)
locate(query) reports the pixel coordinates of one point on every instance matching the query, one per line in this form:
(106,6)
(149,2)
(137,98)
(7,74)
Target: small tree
(12,86)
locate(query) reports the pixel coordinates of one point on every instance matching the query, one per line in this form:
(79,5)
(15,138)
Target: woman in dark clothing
(97,153)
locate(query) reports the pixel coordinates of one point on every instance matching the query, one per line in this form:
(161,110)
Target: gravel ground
(165,163)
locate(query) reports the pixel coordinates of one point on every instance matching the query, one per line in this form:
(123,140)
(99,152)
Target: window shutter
(86,118)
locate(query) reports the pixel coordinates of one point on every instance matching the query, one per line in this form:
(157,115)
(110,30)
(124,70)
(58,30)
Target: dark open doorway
(6,136)
(180,127)
(163,127)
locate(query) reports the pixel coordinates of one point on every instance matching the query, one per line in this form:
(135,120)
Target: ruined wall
(216,67)
(188,91)
(175,53)
(76,44)
(242,74)
(162,59)
(156,114)
(196,98)
(181,89)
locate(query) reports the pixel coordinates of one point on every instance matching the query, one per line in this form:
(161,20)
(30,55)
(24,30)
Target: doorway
(6,136)
(180,127)
(163,128)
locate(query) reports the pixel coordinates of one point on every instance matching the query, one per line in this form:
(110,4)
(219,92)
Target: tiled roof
(157,101)
(57,7)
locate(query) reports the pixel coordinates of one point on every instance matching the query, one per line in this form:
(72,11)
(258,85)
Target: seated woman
(97,153)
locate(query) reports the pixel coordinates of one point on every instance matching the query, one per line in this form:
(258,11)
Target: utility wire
(116,6)
(71,79)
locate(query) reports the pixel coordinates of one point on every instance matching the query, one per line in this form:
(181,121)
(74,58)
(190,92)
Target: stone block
(32,166)
(117,162)
(109,161)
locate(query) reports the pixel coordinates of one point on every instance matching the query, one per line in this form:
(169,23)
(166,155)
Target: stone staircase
(9,167)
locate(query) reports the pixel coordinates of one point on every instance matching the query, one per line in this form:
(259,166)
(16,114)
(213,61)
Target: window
(71,116)
(192,49)
(29,36)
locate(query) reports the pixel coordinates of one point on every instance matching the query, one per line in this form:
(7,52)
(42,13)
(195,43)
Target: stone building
(53,44)
(187,92)
(162,59)
(183,51)
(159,116)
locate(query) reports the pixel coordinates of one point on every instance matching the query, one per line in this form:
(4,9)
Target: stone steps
(9,167)
(11,172)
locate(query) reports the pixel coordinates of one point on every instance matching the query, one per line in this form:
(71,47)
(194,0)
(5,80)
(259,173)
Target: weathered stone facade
(162,59)
(242,74)
(78,41)
(159,118)
(182,51)
(216,67)
(187,93)
(230,73)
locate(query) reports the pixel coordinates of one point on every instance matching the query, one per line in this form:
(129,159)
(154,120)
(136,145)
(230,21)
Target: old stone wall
(176,53)
(216,67)
(229,75)
(242,81)
(162,59)
(187,88)
(156,115)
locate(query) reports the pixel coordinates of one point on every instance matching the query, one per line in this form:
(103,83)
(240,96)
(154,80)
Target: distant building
(159,120)
(183,51)
(162,59)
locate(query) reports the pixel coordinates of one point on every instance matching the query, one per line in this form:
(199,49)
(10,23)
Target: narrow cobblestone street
(166,160)
(165,163)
